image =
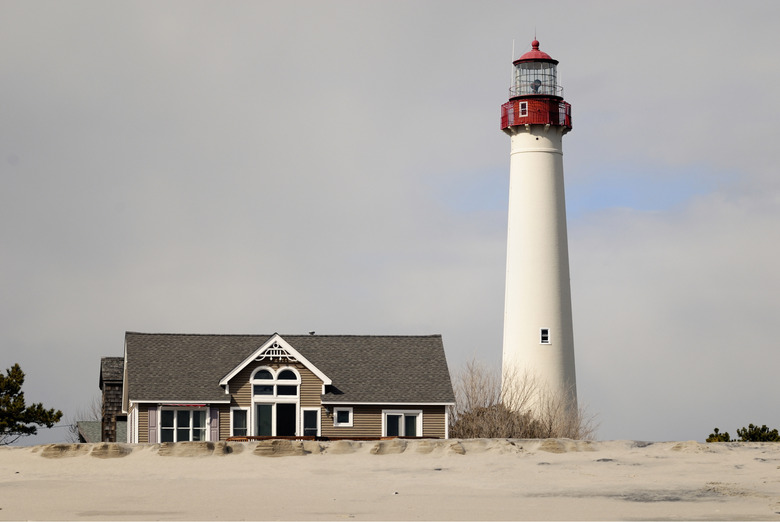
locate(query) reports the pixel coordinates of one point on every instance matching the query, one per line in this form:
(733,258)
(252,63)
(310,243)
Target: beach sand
(481,479)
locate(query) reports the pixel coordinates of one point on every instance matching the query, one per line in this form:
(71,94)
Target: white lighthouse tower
(538,336)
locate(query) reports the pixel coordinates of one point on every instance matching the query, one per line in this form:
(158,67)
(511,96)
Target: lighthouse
(538,333)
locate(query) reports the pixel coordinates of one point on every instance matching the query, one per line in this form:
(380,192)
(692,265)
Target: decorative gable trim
(276,352)
(275,349)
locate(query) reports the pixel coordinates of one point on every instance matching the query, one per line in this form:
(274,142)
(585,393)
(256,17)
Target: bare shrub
(490,405)
(92,411)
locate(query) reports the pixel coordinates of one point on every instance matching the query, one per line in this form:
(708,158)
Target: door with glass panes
(276,394)
(403,423)
(277,419)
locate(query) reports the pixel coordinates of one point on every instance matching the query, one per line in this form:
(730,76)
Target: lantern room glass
(535,78)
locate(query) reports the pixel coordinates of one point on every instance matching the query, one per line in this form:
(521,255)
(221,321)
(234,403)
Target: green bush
(749,434)
(756,434)
(719,437)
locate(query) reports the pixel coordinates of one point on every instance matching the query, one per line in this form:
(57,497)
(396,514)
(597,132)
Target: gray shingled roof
(90,431)
(111,369)
(188,367)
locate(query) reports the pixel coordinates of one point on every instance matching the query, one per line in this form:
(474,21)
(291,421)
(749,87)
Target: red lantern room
(535,98)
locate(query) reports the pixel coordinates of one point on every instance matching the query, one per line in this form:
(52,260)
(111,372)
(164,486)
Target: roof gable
(188,368)
(276,348)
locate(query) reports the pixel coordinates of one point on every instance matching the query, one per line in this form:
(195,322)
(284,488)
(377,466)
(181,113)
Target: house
(91,431)
(113,422)
(111,425)
(185,387)
(88,431)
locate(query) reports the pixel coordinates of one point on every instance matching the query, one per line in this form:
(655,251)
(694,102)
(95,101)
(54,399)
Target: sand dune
(482,479)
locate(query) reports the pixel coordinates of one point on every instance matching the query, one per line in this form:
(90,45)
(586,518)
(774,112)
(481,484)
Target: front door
(285,419)
(264,420)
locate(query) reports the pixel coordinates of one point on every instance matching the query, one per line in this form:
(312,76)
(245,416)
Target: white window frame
(319,420)
(275,382)
(544,336)
(175,410)
(272,382)
(416,413)
(132,425)
(273,404)
(274,399)
(248,426)
(337,424)
(522,109)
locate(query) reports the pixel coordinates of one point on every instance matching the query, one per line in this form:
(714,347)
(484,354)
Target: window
(544,336)
(311,422)
(523,108)
(238,422)
(182,425)
(402,423)
(264,383)
(535,78)
(342,417)
(275,402)
(276,419)
(259,386)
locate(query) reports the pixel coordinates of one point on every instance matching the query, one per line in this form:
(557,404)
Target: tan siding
(311,388)
(434,421)
(224,421)
(240,389)
(367,421)
(143,423)
(326,423)
(310,392)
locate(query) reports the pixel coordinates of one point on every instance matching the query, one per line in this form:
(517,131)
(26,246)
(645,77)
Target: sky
(338,167)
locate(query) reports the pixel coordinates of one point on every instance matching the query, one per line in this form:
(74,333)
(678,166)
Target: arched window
(285,384)
(275,398)
(263,382)
(264,374)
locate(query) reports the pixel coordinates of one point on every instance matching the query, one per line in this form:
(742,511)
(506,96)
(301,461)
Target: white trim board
(181,402)
(351,403)
(275,338)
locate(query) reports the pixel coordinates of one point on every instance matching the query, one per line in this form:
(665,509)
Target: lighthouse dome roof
(535,55)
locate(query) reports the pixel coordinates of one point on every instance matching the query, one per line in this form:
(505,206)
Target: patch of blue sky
(475,192)
(643,189)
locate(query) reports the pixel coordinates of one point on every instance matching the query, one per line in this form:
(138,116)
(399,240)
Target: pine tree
(16,419)
(756,434)
(719,437)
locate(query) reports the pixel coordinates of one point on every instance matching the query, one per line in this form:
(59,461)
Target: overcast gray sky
(260,167)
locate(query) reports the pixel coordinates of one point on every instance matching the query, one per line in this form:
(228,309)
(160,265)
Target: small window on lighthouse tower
(523,109)
(544,336)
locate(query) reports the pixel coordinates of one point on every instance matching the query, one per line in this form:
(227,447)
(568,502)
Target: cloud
(677,309)
(260,167)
